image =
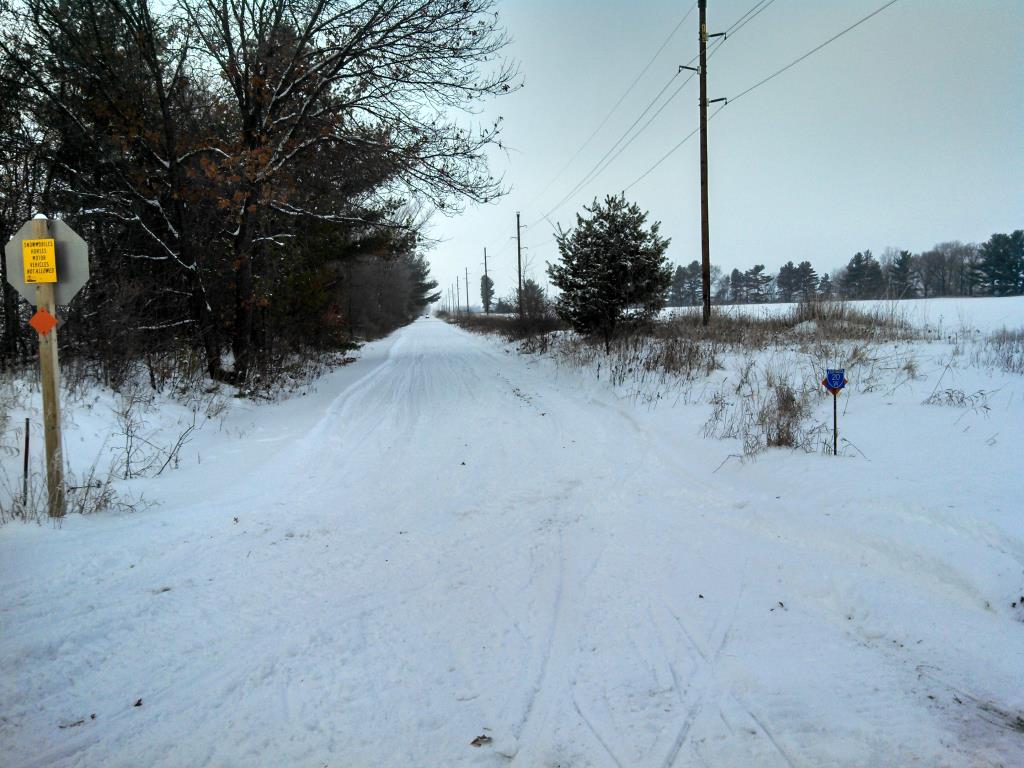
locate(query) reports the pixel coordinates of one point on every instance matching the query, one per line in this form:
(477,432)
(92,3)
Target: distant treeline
(250,177)
(993,268)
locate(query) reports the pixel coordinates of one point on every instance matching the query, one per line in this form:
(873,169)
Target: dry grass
(93,492)
(1003,349)
(509,327)
(818,321)
(767,406)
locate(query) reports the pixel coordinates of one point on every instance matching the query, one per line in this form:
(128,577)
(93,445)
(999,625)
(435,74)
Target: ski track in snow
(461,545)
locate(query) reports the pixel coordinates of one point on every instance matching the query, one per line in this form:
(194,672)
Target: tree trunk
(241,333)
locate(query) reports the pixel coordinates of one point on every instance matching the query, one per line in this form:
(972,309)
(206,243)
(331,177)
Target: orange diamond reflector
(43,322)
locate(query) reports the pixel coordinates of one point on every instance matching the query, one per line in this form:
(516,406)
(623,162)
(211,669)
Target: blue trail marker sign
(834,381)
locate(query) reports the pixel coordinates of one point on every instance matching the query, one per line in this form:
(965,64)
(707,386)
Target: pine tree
(737,287)
(534,302)
(611,264)
(787,281)
(1000,270)
(825,289)
(901,277)
(486,292)
(694,283)
(863,279)
(806,281)
(758,284)
(677,292)
(722,288)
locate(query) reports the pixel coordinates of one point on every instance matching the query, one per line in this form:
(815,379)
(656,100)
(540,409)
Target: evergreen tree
(806,281)
(422,290)
(758,284)
(611,263)
(722,288)
(863,278)
(677,291)
(787,281)
(1000,269)
(486,292)
(825,289)
(901,277)
(694,283)
(737,287)
(535,300)
(686,286)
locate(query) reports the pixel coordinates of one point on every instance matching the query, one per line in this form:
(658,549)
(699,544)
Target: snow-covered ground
(939,316)
(447,540)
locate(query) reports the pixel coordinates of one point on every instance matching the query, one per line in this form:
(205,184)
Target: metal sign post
(835,380)
(48,263)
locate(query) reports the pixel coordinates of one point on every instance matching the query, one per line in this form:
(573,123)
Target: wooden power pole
(467,291)
(519,260)
(705,245)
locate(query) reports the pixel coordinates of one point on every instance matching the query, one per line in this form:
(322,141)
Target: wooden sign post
(49,372)
(48,263)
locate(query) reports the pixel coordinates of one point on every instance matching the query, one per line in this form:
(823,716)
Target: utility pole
(487,305)
(467,290)
(458,296)
(705,246)
(519,258)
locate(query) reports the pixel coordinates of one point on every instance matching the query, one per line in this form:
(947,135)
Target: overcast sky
(905,132)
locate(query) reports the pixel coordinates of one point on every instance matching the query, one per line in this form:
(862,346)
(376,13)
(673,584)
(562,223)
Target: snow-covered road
(464,543)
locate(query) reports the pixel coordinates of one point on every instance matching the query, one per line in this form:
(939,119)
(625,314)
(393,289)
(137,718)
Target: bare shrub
(509,327)
(92,493)
(765,410)
(140,455)
(1003,349)
(957,398)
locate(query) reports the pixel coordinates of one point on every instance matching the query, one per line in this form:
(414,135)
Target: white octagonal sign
(72,262)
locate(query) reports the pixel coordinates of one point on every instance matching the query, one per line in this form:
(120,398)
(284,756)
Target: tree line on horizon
(613,273)
(253,179)
(992,268)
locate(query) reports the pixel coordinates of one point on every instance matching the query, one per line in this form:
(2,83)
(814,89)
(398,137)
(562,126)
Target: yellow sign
(40,260)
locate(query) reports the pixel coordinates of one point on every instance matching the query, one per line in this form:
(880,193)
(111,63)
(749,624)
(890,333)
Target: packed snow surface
(449,540)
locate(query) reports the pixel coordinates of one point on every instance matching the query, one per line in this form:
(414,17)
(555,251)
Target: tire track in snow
(703,676)
(593,730)
(769,734)
(550,640)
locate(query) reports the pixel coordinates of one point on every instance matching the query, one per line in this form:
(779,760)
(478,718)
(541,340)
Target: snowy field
(939,317)
(448,543)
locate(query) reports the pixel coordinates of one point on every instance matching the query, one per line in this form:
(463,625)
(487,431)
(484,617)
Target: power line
(772,76)
(615,106)
(601,165)
(597,169)
(743,20)
(737,25)
(671,152)
(812,51)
